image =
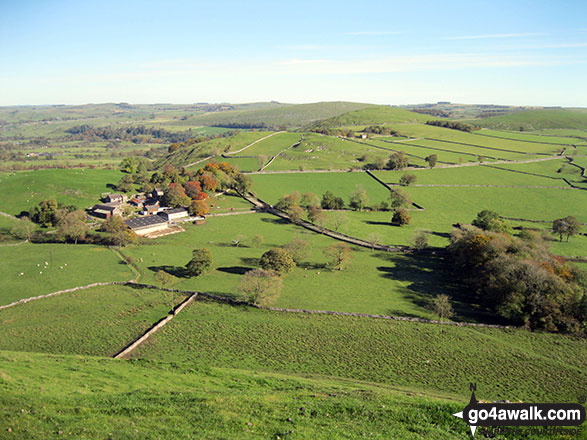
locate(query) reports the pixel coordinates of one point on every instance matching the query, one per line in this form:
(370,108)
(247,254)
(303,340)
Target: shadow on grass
(440,234)
(275,220)
(237,270)
(370,222)
(312,266)
(250,261)
(176,271)
(428,276)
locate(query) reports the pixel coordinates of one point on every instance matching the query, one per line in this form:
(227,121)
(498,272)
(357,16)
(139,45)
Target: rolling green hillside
(287,115)
(371,115)
(538,120)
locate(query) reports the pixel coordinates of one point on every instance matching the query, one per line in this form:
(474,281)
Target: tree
(359,198)
(72,225)
(407,179)
(243,183)
(176,197)
(419,241)
(258,240)
(379,163)
(208,182)
(340,255)
(298,249)
(490,221)
(200,262)
(397,161)
(443,307)
(125,184)
(568,226)
(399,198)
(44,214)
(432,159)
(338,219)
(288,200)
(165,279)
(23,229)
(260,286)
(374,238)
(309,199)
(316,215)
(401,217)
(330,201)
(198,208)
(129,165)
(295,213)
(192,188)
(279,260)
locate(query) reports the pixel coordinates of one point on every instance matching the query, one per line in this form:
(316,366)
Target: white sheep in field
(40,273)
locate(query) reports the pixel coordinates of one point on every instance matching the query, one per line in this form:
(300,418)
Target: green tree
(23,229)
(243,183)
(330,201)
(432,159)
(316,215)
(407,179)
(260,286)
(340,255)
(401,217)
(397,161)
(295,213)
(165,279)
(359,198)
(176,197)
(309,199)
(419,241)
(279,260)
(129,165)
(200,262)
(442,307)
(338,220)
(125,184)
(258,240)
(299,249)
(399,198)
(568,226)
(491,221)
(72,225)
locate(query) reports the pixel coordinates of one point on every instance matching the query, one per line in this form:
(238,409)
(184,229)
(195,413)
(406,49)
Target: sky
(384,52)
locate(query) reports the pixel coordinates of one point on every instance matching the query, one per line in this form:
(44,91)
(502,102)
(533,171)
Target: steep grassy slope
(506,364)
(538,120)
(66,397)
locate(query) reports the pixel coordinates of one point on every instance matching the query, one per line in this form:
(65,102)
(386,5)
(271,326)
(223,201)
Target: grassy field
(375,282)
(81,265)
(80,187)
(92,398)
(271,187)
(506,364)
(529,137)
(318,152)
(99,321)
(537,120)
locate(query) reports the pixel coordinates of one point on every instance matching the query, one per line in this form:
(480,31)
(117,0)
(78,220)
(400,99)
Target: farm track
(253,143)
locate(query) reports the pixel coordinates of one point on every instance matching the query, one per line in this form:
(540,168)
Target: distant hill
(538,120)
(284,115)
(375,114)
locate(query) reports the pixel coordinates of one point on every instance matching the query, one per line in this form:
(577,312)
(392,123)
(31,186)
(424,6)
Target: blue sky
(386,52)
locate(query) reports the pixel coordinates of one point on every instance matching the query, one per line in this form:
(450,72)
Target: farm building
(150,210)
(105,210)
(146,225)
(115,198)
(175,214)
(138,201)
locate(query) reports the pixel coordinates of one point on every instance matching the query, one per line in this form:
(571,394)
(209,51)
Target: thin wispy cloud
(488,36)
(373,33)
